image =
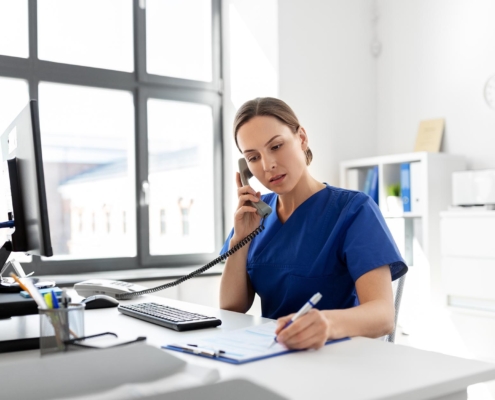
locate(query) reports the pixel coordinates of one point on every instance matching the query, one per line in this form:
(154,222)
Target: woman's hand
(246,219)
(310,331)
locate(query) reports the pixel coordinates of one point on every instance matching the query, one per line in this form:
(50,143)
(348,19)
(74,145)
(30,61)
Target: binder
(239,346)
(405,186)
(374,184)
(367,182)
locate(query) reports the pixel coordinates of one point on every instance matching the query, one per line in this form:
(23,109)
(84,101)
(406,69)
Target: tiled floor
(457,332)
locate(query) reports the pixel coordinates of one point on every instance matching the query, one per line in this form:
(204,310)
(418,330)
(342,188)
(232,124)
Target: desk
(359,368)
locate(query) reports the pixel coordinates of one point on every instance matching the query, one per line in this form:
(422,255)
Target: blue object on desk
(56,290)
(219,357)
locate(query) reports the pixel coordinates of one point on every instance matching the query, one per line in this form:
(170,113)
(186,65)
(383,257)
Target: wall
(436,58)
(328,76)
(250,69)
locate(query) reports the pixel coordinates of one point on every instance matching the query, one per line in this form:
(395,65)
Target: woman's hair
(271,107)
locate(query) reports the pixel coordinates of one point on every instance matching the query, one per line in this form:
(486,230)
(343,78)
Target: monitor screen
(20,147)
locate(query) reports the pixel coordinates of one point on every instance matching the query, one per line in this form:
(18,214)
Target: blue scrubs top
(327,243)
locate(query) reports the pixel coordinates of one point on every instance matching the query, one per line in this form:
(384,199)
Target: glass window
(14,33)
(93,33)
(88,151)
(179,38)
(14,96)
(180,146)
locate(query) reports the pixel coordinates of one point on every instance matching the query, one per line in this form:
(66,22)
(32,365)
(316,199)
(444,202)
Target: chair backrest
(397,299)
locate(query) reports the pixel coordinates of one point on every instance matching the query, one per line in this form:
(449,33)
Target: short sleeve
(225,247)
(368,243)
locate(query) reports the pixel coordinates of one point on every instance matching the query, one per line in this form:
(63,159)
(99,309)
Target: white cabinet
(417,233)
(468,258)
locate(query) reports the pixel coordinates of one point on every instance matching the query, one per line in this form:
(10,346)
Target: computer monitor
(27,220)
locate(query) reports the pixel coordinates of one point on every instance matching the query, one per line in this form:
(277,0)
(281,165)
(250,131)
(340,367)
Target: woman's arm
(236,291)
(374,317)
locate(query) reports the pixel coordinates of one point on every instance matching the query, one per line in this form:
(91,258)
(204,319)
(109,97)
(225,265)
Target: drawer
(465,237)
(469,277)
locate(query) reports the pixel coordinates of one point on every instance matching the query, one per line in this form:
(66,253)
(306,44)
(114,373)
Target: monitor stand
(9,285)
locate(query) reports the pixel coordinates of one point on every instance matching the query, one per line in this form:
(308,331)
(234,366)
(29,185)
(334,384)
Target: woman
(317,239)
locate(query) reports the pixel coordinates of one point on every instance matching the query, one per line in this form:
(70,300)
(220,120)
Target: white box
(473,187)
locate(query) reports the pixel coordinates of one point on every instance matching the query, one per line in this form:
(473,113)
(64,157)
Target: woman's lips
(277,179)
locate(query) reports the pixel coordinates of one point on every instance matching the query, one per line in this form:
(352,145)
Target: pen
(304,309)
(54,300)
(27,285)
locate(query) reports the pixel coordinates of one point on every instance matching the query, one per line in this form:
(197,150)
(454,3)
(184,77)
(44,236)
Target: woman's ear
(303,137)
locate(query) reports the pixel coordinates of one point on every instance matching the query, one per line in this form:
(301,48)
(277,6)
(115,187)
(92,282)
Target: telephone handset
(262,208)
(125,292)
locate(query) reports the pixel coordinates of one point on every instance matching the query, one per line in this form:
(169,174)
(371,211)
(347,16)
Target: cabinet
(468,258)
(417,234)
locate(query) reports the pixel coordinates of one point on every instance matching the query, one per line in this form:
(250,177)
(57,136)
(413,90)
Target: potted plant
(394,199)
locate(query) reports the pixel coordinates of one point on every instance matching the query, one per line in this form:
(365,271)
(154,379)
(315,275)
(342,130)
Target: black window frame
(143,86)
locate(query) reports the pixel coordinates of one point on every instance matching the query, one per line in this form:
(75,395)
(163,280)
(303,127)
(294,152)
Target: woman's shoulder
(345,197)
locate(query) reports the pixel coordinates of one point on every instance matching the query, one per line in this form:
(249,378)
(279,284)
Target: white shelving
(421,230)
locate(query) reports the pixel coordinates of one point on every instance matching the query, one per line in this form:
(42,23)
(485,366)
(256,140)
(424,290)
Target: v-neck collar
(313,196)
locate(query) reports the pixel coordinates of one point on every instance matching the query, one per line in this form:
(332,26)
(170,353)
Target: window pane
(180,146)
(179,38)
(93,33)
(14,28)
(14,96)
(88,152)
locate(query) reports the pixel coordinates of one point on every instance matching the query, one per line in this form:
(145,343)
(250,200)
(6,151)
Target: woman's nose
(269,164)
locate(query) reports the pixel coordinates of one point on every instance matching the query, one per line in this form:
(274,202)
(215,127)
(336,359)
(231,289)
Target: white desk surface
(359,368)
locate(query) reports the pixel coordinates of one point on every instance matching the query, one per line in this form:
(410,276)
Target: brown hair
(272,107)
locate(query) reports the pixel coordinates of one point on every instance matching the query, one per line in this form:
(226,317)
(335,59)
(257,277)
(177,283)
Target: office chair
(398,295)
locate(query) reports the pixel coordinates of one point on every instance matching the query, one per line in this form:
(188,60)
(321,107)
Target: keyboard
(169,317)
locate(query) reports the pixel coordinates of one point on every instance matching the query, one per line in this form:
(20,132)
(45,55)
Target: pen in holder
(60,325)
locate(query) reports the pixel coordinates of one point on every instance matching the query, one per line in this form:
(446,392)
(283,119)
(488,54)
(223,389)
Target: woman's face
(275,155)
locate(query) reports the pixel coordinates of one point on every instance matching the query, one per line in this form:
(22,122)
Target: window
(130,122)
(180,144)
(88,152)
(179,39)
(163,222)
(14,28)
(64,35)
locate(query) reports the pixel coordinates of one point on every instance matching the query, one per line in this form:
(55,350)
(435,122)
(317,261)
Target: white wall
(436,58)
(328,76)
(250,69)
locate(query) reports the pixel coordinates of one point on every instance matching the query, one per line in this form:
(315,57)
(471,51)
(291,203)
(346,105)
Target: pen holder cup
(58,325)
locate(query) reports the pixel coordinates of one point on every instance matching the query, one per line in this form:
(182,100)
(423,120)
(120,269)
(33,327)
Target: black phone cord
(199,271)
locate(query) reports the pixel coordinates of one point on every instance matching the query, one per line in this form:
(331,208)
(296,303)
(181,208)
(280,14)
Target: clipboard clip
(201,351)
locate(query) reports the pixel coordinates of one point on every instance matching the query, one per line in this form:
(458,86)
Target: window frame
(142,86)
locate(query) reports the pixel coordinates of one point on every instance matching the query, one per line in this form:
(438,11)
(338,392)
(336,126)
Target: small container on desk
(59,325)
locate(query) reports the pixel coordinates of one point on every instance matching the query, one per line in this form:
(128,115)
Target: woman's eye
(278,146)
(250,159)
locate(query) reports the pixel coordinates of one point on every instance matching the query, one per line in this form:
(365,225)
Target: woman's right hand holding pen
(246,219)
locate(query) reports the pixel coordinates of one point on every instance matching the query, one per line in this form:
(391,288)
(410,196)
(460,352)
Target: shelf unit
(421,229)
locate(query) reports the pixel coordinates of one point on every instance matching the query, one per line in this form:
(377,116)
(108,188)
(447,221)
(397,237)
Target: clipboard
(239,346)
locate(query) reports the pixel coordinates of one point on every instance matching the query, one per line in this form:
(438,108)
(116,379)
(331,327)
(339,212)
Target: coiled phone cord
(199,271)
